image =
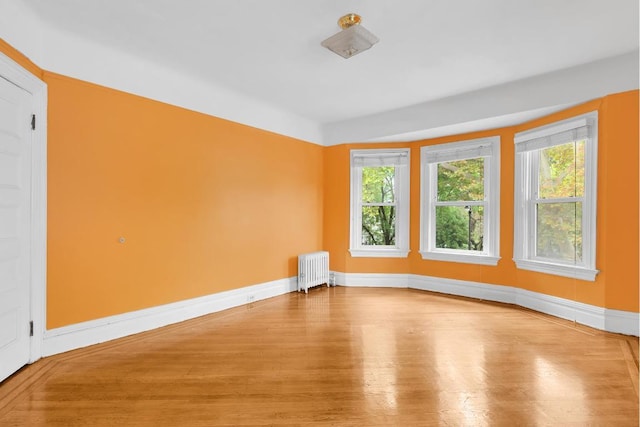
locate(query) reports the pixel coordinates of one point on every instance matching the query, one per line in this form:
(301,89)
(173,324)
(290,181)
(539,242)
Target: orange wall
(337,212)
(208,205)
(619,189)
(205,205)
(616,286)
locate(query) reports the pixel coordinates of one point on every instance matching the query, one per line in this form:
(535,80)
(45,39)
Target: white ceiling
(269,50)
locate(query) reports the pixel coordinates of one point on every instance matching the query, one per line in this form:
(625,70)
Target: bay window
(555,198)
(460,207)
(379,203)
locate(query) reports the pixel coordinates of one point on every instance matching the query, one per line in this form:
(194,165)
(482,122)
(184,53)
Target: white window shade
(529,145)
(398,159)
(386,158)
(459,150)
(569,131)
(487,149)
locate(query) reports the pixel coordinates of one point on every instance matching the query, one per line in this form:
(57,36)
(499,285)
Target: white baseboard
(66,338)
(463,288)
(372,280)
(622,322)
(617,321)
(584,314)
(60,340)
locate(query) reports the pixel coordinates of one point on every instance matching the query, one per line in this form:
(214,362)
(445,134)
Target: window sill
(573,272)
(481,259)
(379,253)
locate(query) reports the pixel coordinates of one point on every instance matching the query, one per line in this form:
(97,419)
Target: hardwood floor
(340,357)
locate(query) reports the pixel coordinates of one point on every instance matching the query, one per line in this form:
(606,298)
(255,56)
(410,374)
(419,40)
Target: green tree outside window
(460,226)
(378,206)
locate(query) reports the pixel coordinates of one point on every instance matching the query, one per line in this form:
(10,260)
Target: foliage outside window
(460,201)
(380,203)
(378,206)
(555,198)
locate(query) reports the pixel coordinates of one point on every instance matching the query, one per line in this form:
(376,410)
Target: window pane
(378,184)
(458,227)
(559,233)
(461,180)
(561,171)
(378,225)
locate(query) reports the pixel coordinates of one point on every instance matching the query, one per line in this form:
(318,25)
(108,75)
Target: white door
(15,226)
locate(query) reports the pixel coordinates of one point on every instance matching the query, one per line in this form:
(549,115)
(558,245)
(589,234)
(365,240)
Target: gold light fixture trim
(349,20)
(353,38)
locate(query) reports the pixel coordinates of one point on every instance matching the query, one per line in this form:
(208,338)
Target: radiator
(313,270)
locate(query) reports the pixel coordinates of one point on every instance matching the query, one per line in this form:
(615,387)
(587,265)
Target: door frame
(16,74)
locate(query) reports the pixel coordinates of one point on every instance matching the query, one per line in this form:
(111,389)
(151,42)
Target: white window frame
(400,158)
(487,148)
(528,144)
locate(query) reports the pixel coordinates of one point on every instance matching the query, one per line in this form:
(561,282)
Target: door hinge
(31,328)
(33,122)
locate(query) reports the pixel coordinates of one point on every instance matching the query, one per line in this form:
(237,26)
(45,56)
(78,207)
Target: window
(380,203)
(555,198)
(461,201)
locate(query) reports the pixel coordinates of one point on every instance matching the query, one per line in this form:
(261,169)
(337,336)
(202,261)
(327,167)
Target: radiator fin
(313,270)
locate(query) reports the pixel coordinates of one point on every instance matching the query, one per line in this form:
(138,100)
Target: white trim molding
(461,257)
(585,314)
(66,338)
(400,160)
(529,147)
(372,280)
(493,107)
(464,288)
(586,274)
(623,322)
(431,157)
(379,253)
(16,74)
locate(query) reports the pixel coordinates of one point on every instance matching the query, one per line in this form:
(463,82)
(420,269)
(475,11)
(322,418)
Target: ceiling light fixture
(353,38)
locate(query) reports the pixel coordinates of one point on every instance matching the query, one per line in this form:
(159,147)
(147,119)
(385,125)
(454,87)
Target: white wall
(65,53)
(502,105)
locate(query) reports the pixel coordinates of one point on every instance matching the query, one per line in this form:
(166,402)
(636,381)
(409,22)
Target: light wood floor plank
(340,357)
